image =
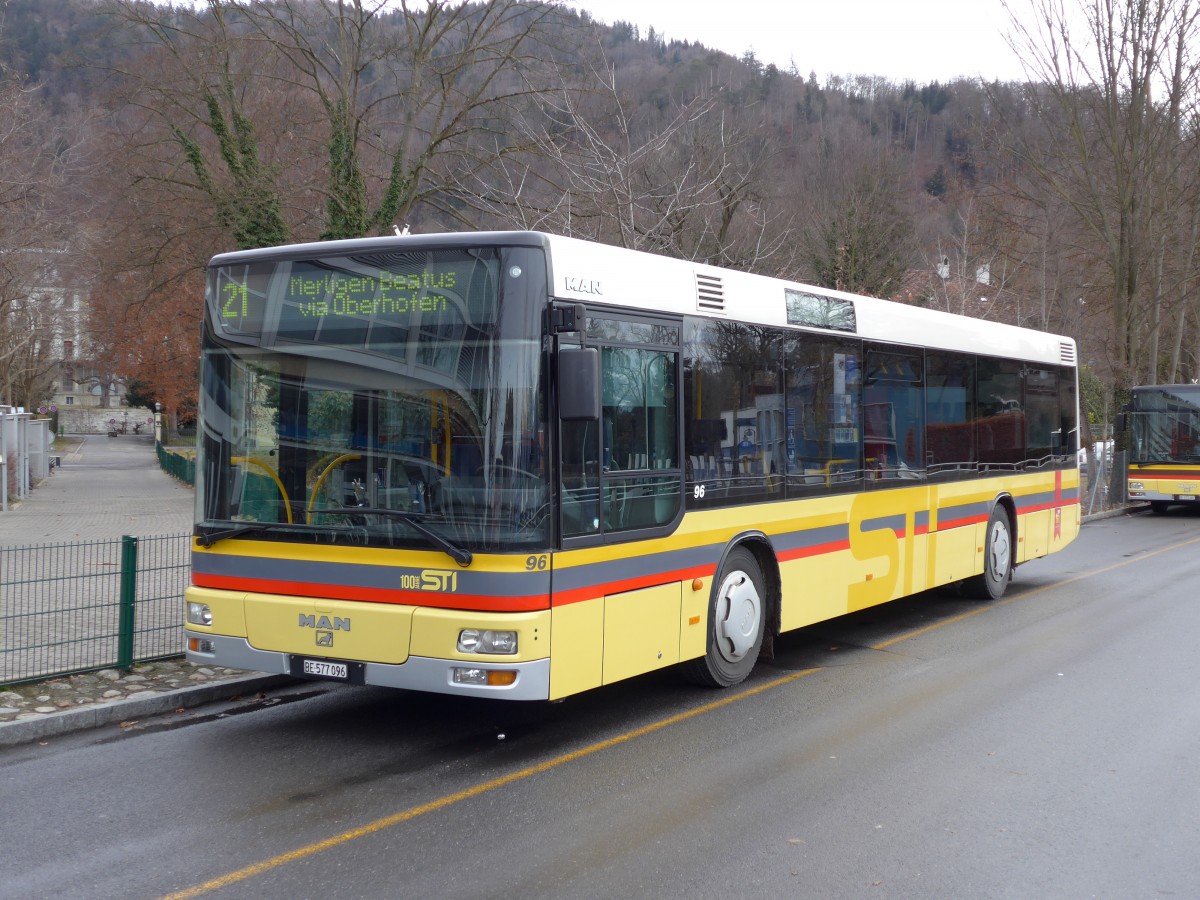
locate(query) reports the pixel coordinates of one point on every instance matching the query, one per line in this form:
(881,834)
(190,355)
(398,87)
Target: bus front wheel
(736,619)
(997,559)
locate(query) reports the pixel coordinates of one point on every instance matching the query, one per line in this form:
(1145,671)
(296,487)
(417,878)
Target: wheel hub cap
(1001,552)
(739,611)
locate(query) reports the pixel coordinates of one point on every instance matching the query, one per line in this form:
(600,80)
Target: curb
(1130,510)
(26,731)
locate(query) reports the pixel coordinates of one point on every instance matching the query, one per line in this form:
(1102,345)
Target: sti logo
(431,580)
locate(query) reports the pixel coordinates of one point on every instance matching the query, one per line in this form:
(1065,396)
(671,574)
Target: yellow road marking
(529,771)
(450,799)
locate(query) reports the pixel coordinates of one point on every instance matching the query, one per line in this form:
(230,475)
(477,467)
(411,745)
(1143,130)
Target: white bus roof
(588,272)
(596,273)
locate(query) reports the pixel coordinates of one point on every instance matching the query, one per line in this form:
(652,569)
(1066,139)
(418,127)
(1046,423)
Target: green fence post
(128,597)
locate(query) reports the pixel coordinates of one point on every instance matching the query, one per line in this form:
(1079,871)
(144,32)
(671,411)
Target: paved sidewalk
(107,487)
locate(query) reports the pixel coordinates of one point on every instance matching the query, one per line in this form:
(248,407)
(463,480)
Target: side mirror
(578,383)
(1121,424)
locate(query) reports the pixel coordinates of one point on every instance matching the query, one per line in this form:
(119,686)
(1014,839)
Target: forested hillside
(141,138)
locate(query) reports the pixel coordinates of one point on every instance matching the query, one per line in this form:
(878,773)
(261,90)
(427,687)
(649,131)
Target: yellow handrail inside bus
(251,461)
(345,457)
(446,431)
(439,419)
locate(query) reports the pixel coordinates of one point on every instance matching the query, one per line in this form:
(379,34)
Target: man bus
(522,465)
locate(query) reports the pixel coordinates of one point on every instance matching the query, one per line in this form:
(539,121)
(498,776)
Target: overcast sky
(921,40)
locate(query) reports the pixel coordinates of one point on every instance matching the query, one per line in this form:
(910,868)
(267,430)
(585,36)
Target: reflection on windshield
(390,398)
(1165,426)
(289,441)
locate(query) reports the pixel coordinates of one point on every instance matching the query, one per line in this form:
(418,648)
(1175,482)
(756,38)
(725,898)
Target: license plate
(1187,497)
(324,669)
(341,670)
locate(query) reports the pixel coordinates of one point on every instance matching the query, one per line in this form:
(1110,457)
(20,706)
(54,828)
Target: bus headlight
(476,640)
(1136,486)
(199,614)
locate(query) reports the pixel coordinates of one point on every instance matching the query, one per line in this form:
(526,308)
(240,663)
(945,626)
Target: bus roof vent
(710,293)
(1066,352)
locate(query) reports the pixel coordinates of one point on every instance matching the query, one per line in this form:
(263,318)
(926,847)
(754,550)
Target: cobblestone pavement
(44,709)
(38,699)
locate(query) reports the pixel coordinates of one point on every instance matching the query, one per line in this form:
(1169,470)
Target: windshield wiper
(460,555)
(211,537)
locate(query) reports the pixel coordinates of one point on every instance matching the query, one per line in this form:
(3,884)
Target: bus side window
(1067,427)
(823,408)
(950,415)
(894,415)
(1000,415)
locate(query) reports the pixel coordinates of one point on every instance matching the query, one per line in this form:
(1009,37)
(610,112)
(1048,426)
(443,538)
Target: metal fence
(68,608)
(1102,481)
(177,465)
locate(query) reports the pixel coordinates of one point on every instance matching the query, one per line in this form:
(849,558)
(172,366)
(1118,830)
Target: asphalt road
(1047,745)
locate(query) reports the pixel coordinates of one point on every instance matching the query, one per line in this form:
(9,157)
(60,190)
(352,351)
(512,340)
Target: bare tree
(201,119)
(395,93)
(28,351)
(37,160)
(691,186)
(858,231)
(1113,95)
(973,272)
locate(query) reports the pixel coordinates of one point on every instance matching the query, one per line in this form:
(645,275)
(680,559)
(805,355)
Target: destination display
(386,294)
(310,301)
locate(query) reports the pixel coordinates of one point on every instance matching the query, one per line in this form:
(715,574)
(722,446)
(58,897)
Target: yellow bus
(520,465)
(1163,423)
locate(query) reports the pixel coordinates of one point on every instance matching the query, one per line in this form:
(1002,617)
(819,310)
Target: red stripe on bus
(592,591)
(947,524)
(1039,507)
(473,602)
(814,550)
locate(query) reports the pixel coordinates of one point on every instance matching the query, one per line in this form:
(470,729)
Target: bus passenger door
(622,473)
(621,482)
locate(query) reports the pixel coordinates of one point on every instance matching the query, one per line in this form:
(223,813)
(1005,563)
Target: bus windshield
(1165,424)
(383,400)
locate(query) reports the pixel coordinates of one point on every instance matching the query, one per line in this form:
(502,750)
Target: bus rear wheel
(736,619)
(997,559)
